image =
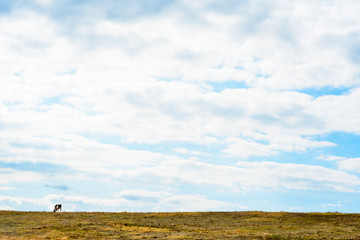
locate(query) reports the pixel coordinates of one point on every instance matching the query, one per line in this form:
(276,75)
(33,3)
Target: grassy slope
(203,225)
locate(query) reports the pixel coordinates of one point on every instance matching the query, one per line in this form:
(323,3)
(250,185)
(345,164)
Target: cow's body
(57,207)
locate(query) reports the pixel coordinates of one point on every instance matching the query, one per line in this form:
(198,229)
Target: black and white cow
(57,207)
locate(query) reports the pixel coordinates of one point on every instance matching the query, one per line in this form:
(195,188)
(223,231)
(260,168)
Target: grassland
(199,225)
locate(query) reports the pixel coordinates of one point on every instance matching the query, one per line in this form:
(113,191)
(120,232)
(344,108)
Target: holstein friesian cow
(57,207)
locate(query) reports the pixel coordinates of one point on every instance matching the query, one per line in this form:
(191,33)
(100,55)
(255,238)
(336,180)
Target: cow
(57,207)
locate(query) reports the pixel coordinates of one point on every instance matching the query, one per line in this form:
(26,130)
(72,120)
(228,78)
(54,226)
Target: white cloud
(330,157)
(332,205)
(174,202)
(152,79)
(339,113)
(350,164)
(243,149)
(245,176)
(138,201)
(140,193)
(301,176)
(5,207)
(273,145)
(189,152)
(169,111)
(8,175)
(72,150)
(7,188)
(199,203)
(44,2)
(21,200)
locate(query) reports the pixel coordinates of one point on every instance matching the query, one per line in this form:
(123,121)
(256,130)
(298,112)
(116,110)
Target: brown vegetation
(197,225)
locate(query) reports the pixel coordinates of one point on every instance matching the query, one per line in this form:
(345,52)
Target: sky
(180,105)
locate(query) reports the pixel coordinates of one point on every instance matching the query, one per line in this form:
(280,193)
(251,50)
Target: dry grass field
(196,225)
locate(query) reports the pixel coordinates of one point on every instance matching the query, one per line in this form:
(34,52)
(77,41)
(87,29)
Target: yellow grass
(195,225)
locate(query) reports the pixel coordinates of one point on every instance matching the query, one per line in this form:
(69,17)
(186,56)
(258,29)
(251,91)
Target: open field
(199,225)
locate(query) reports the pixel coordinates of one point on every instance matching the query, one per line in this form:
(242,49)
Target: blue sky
(180,105)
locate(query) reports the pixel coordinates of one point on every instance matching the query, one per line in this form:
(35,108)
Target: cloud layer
(166,97)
